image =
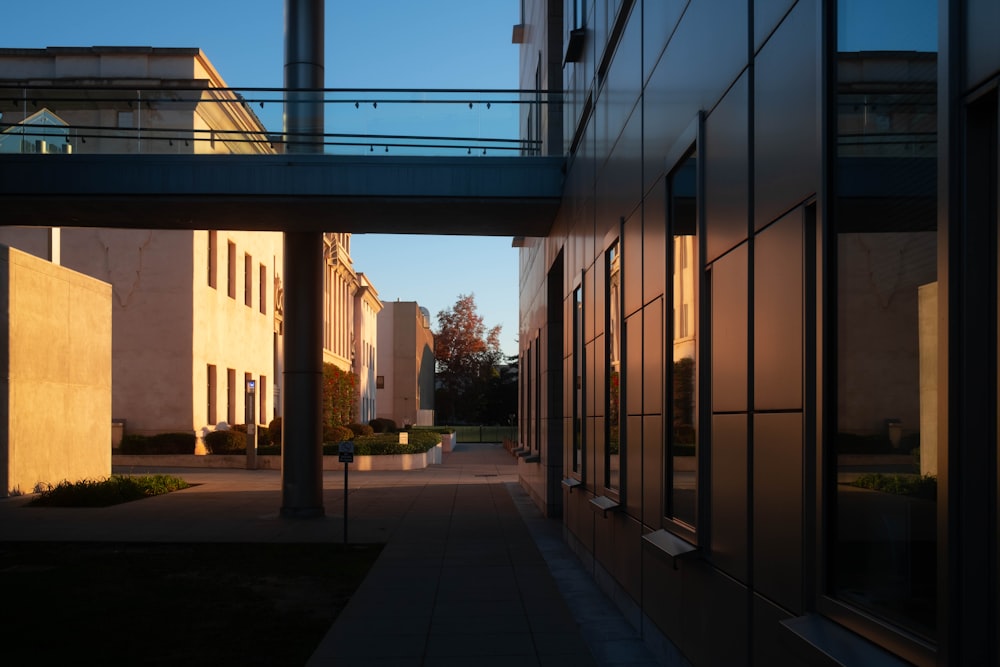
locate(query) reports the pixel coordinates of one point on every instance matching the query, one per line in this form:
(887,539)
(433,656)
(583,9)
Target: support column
(302,431)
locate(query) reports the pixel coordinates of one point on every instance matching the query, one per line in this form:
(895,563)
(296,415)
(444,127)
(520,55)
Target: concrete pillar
(302,431)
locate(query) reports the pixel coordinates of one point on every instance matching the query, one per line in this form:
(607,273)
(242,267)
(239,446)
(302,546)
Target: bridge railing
(169,119)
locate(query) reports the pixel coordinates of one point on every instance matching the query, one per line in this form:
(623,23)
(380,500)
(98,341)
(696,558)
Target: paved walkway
(470,574)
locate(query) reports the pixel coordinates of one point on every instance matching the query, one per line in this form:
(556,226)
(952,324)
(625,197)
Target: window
(681,459)
(212,259)
(537,408)
(231,270)
(262,394)
(612,419)
(881,547)
(263,289)
(231,396)
(579,446)
(380,382)
(248,280)
(212,388)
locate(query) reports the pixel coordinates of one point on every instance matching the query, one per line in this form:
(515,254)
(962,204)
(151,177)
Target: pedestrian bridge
(476,195)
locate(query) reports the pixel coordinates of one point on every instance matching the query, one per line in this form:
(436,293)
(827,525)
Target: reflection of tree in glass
(613,412)
(684,431)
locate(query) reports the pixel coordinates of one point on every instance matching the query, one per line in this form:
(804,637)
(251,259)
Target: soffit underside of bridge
(427,195)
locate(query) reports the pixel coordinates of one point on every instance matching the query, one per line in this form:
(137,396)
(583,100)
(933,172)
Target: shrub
(111,491)
(337,434)
(388,443)
(383,425)
(161,443)
(361,429)
(905,485)
(274,431)
(240,428)
(226,442)
(263,436)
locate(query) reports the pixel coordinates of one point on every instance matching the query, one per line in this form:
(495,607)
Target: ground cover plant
(104,492)
(173,604)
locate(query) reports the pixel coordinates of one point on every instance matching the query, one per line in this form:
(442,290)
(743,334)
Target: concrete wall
(406,361)
(56,374)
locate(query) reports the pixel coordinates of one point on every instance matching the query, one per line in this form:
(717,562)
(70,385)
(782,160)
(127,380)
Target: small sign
(346,447)
(404,438)
(346,458)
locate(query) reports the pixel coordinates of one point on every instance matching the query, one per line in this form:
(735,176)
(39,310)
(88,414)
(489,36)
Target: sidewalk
(470,574)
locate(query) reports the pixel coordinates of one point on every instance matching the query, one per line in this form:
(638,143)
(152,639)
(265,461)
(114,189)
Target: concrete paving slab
(471,573)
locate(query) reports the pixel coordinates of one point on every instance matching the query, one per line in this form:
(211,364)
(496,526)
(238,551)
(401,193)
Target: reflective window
(882,464)
(682,445)
(577,379)
(41,132)
(612,420)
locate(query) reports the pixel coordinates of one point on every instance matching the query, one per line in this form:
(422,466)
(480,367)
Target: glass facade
(682,446)
(882,438)
(613,448)
(577,383)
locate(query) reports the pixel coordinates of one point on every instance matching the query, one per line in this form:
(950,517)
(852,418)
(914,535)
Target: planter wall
(361,463)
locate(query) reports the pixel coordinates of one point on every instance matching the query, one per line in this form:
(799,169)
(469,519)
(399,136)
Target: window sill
(604,505)
(571,483)
(676,548)
(817,637)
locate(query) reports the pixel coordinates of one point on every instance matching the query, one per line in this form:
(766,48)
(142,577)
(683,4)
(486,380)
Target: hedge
(161,443)
(226,442)
(388,443)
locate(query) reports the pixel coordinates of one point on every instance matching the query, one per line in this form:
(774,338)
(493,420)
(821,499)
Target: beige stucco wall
(56,380)
(228,333)
(406,361)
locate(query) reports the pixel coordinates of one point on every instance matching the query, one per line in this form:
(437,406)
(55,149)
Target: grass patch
(104,492)
(903,485)
(173,604)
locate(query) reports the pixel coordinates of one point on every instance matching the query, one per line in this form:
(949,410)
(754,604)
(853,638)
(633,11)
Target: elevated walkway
(475,195)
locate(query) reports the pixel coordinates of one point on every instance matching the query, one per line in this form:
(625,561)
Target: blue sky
(370,44)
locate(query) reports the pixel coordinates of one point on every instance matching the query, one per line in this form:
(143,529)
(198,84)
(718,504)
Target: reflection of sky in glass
(887,25)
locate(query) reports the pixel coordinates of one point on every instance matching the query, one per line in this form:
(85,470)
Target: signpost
(346,451)
(251,422)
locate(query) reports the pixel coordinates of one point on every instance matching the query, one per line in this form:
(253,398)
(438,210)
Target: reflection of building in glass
(41,132)
(808,322)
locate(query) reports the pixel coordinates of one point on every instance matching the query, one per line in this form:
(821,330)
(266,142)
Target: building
(56,369)
(168,100)
(350,320)
(405,354)
(772,276)
(196,314)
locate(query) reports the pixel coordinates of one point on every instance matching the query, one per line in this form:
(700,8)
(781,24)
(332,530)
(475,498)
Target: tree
(467,355)
(340,395)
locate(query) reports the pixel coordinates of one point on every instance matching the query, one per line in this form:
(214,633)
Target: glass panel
(613,450)
(682,467)
(881,556)
(578,446)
